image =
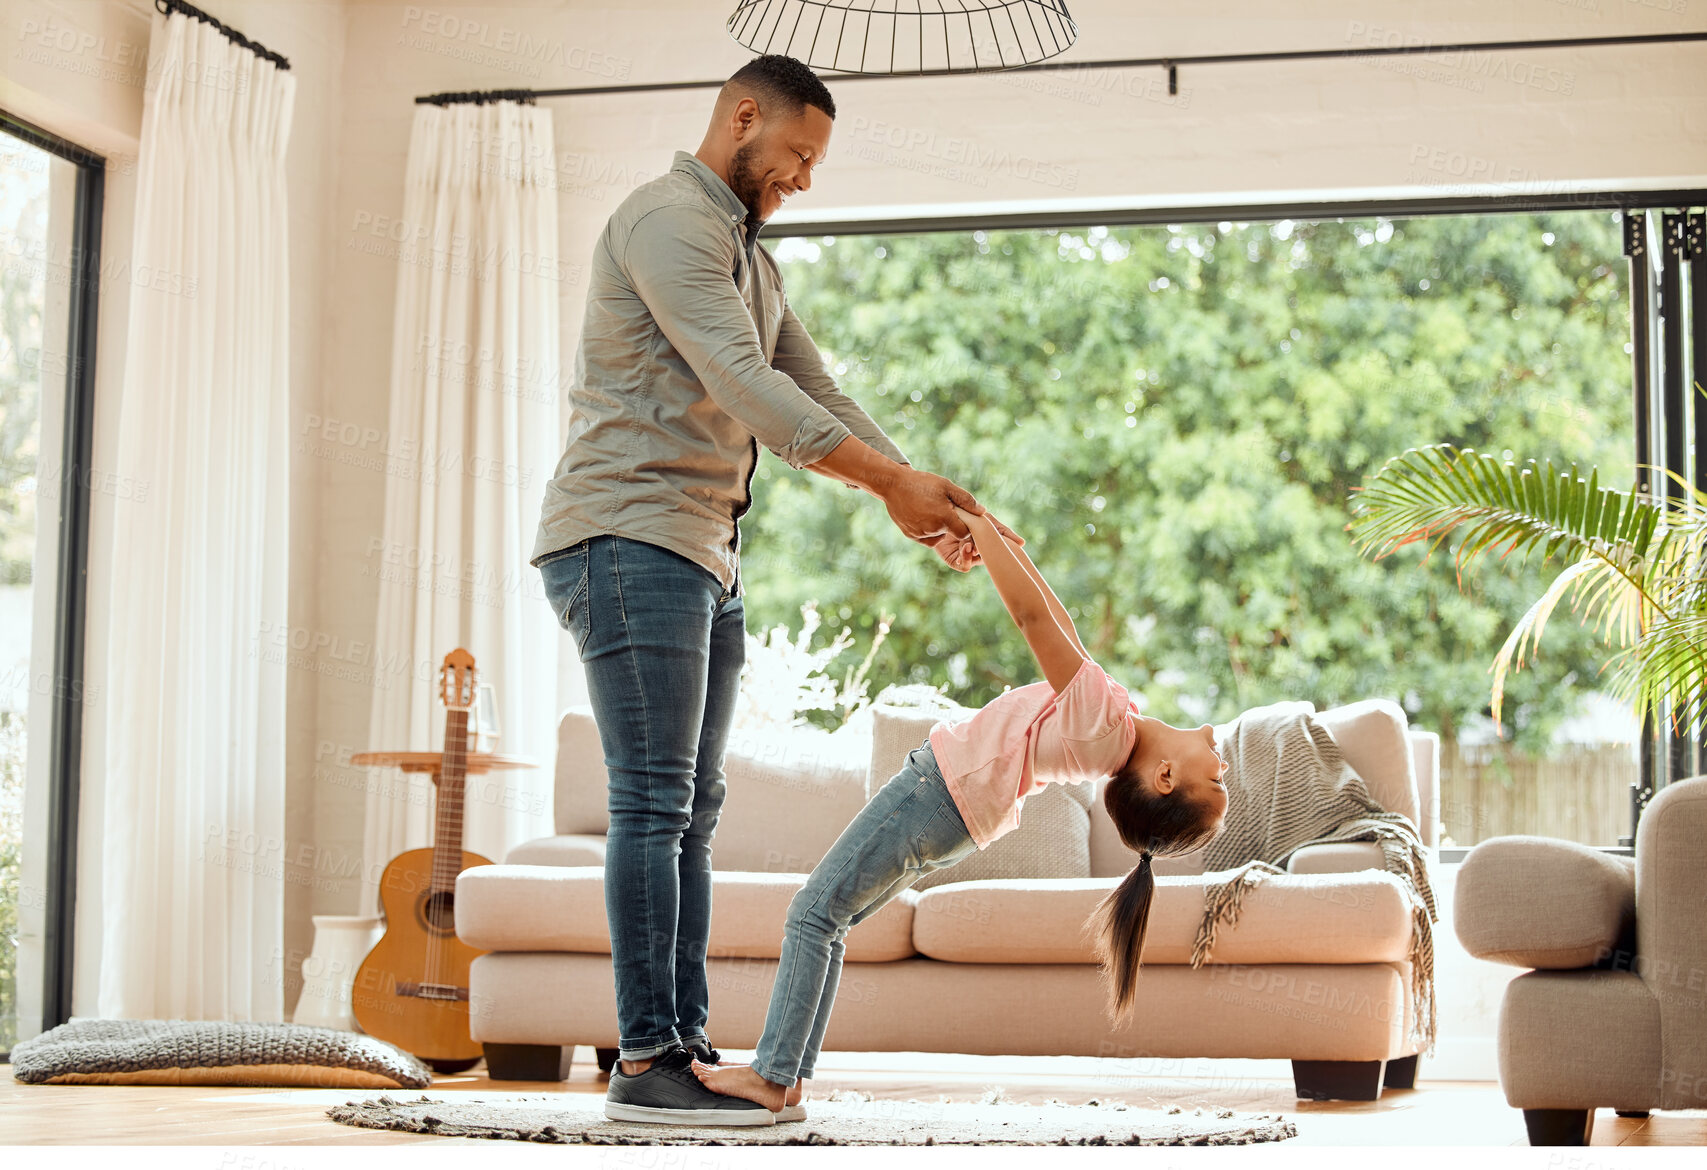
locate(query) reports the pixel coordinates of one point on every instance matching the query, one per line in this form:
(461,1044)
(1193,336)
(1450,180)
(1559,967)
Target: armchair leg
(1559,1127)
(528,1062)
(606,1057)
(1401,1073)
(1337,1080)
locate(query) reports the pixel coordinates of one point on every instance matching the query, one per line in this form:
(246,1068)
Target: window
(50,198)
(1175,415)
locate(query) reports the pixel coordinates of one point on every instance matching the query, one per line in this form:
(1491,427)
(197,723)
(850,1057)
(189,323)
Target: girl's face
(1185,761)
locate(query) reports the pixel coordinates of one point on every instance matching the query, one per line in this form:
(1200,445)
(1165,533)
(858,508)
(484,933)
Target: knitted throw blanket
(1288,786)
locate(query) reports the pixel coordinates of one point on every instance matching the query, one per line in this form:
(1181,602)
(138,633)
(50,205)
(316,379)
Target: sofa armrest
(1338,857)
(564,849)
(1543,903)
(1425,758)
(1670,951)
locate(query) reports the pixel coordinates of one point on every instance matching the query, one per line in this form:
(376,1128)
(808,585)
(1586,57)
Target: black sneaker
(669,1093)
(705,1053)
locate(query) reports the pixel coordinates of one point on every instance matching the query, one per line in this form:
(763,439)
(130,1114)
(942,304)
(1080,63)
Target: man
(689,358)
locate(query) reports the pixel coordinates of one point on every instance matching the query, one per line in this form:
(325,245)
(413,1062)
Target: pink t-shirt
(1029,737)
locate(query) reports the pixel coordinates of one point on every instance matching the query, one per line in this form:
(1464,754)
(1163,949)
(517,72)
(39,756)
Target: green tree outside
(1174,418)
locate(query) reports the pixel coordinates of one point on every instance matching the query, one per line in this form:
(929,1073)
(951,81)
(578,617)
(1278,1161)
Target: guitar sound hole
(438,912)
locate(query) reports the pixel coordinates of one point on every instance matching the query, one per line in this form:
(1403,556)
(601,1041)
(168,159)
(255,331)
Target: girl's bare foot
(742,1081)
(797,1092)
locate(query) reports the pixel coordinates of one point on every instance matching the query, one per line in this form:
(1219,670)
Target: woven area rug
(841,1119)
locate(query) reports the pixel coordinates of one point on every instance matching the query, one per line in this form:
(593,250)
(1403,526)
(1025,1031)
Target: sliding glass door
(1667,252)
(50,194)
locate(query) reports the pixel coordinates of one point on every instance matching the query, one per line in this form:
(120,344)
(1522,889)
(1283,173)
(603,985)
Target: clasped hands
(923,505)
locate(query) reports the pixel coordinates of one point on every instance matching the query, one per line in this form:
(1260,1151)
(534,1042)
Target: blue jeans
(662,642)
(908,829)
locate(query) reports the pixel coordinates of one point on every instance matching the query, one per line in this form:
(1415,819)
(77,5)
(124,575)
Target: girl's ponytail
(1119,923)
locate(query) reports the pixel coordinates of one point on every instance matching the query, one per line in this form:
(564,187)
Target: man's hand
(922,505)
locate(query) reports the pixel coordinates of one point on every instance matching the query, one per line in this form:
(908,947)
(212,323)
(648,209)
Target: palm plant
(1636,563)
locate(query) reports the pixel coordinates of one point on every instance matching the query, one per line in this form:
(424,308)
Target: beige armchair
(1613,1013)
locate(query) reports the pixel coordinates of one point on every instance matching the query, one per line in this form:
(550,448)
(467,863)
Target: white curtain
(193,884)
(475,382)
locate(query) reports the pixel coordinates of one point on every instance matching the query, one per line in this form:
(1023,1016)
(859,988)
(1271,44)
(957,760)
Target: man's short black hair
(785,83)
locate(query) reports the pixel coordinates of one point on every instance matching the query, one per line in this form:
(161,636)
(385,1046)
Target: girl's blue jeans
(908,829)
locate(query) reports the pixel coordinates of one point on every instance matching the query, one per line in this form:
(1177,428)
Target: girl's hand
(988,525)
(1014,538)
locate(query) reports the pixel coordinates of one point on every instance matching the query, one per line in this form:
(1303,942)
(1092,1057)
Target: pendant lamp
(906,36)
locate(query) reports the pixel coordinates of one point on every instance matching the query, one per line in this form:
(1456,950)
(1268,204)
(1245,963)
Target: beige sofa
(1613,1013)
(992,959)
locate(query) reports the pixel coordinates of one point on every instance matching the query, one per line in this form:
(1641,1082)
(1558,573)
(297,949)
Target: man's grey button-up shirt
(689,357)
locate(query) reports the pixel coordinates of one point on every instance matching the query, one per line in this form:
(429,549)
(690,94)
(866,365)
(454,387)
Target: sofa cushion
(1337,857)
(566,849)
(1371,734)
(895,732)
(1052,841)
(579,803)
(562,908)
(1542,902)
(788,795)
(1320,918)
(1053,838)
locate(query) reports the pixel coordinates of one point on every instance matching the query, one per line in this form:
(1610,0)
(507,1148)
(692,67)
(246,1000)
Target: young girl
(962,789)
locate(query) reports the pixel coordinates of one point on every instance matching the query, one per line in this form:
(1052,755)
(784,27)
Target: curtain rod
(1171,64)
(167,7)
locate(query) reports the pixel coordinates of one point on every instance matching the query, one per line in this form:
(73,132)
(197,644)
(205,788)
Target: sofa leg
(1642,1113)
(1401,1073)
(1559,1127)
(1337,1080)
(607,1058)
(528,1062)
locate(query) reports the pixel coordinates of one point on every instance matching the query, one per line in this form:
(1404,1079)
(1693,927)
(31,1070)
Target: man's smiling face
(776,156)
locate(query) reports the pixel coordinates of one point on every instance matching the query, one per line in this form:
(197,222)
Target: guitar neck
(447,819)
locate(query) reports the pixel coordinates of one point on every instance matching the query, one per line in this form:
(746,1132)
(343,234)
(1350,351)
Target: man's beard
(743,182)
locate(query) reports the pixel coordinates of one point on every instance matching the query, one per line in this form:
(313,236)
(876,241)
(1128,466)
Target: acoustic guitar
(412,989)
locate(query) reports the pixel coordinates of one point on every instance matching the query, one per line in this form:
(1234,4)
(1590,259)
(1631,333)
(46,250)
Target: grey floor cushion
(213,1052)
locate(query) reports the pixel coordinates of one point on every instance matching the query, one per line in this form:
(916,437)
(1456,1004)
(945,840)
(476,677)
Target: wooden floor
(1436,1113)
